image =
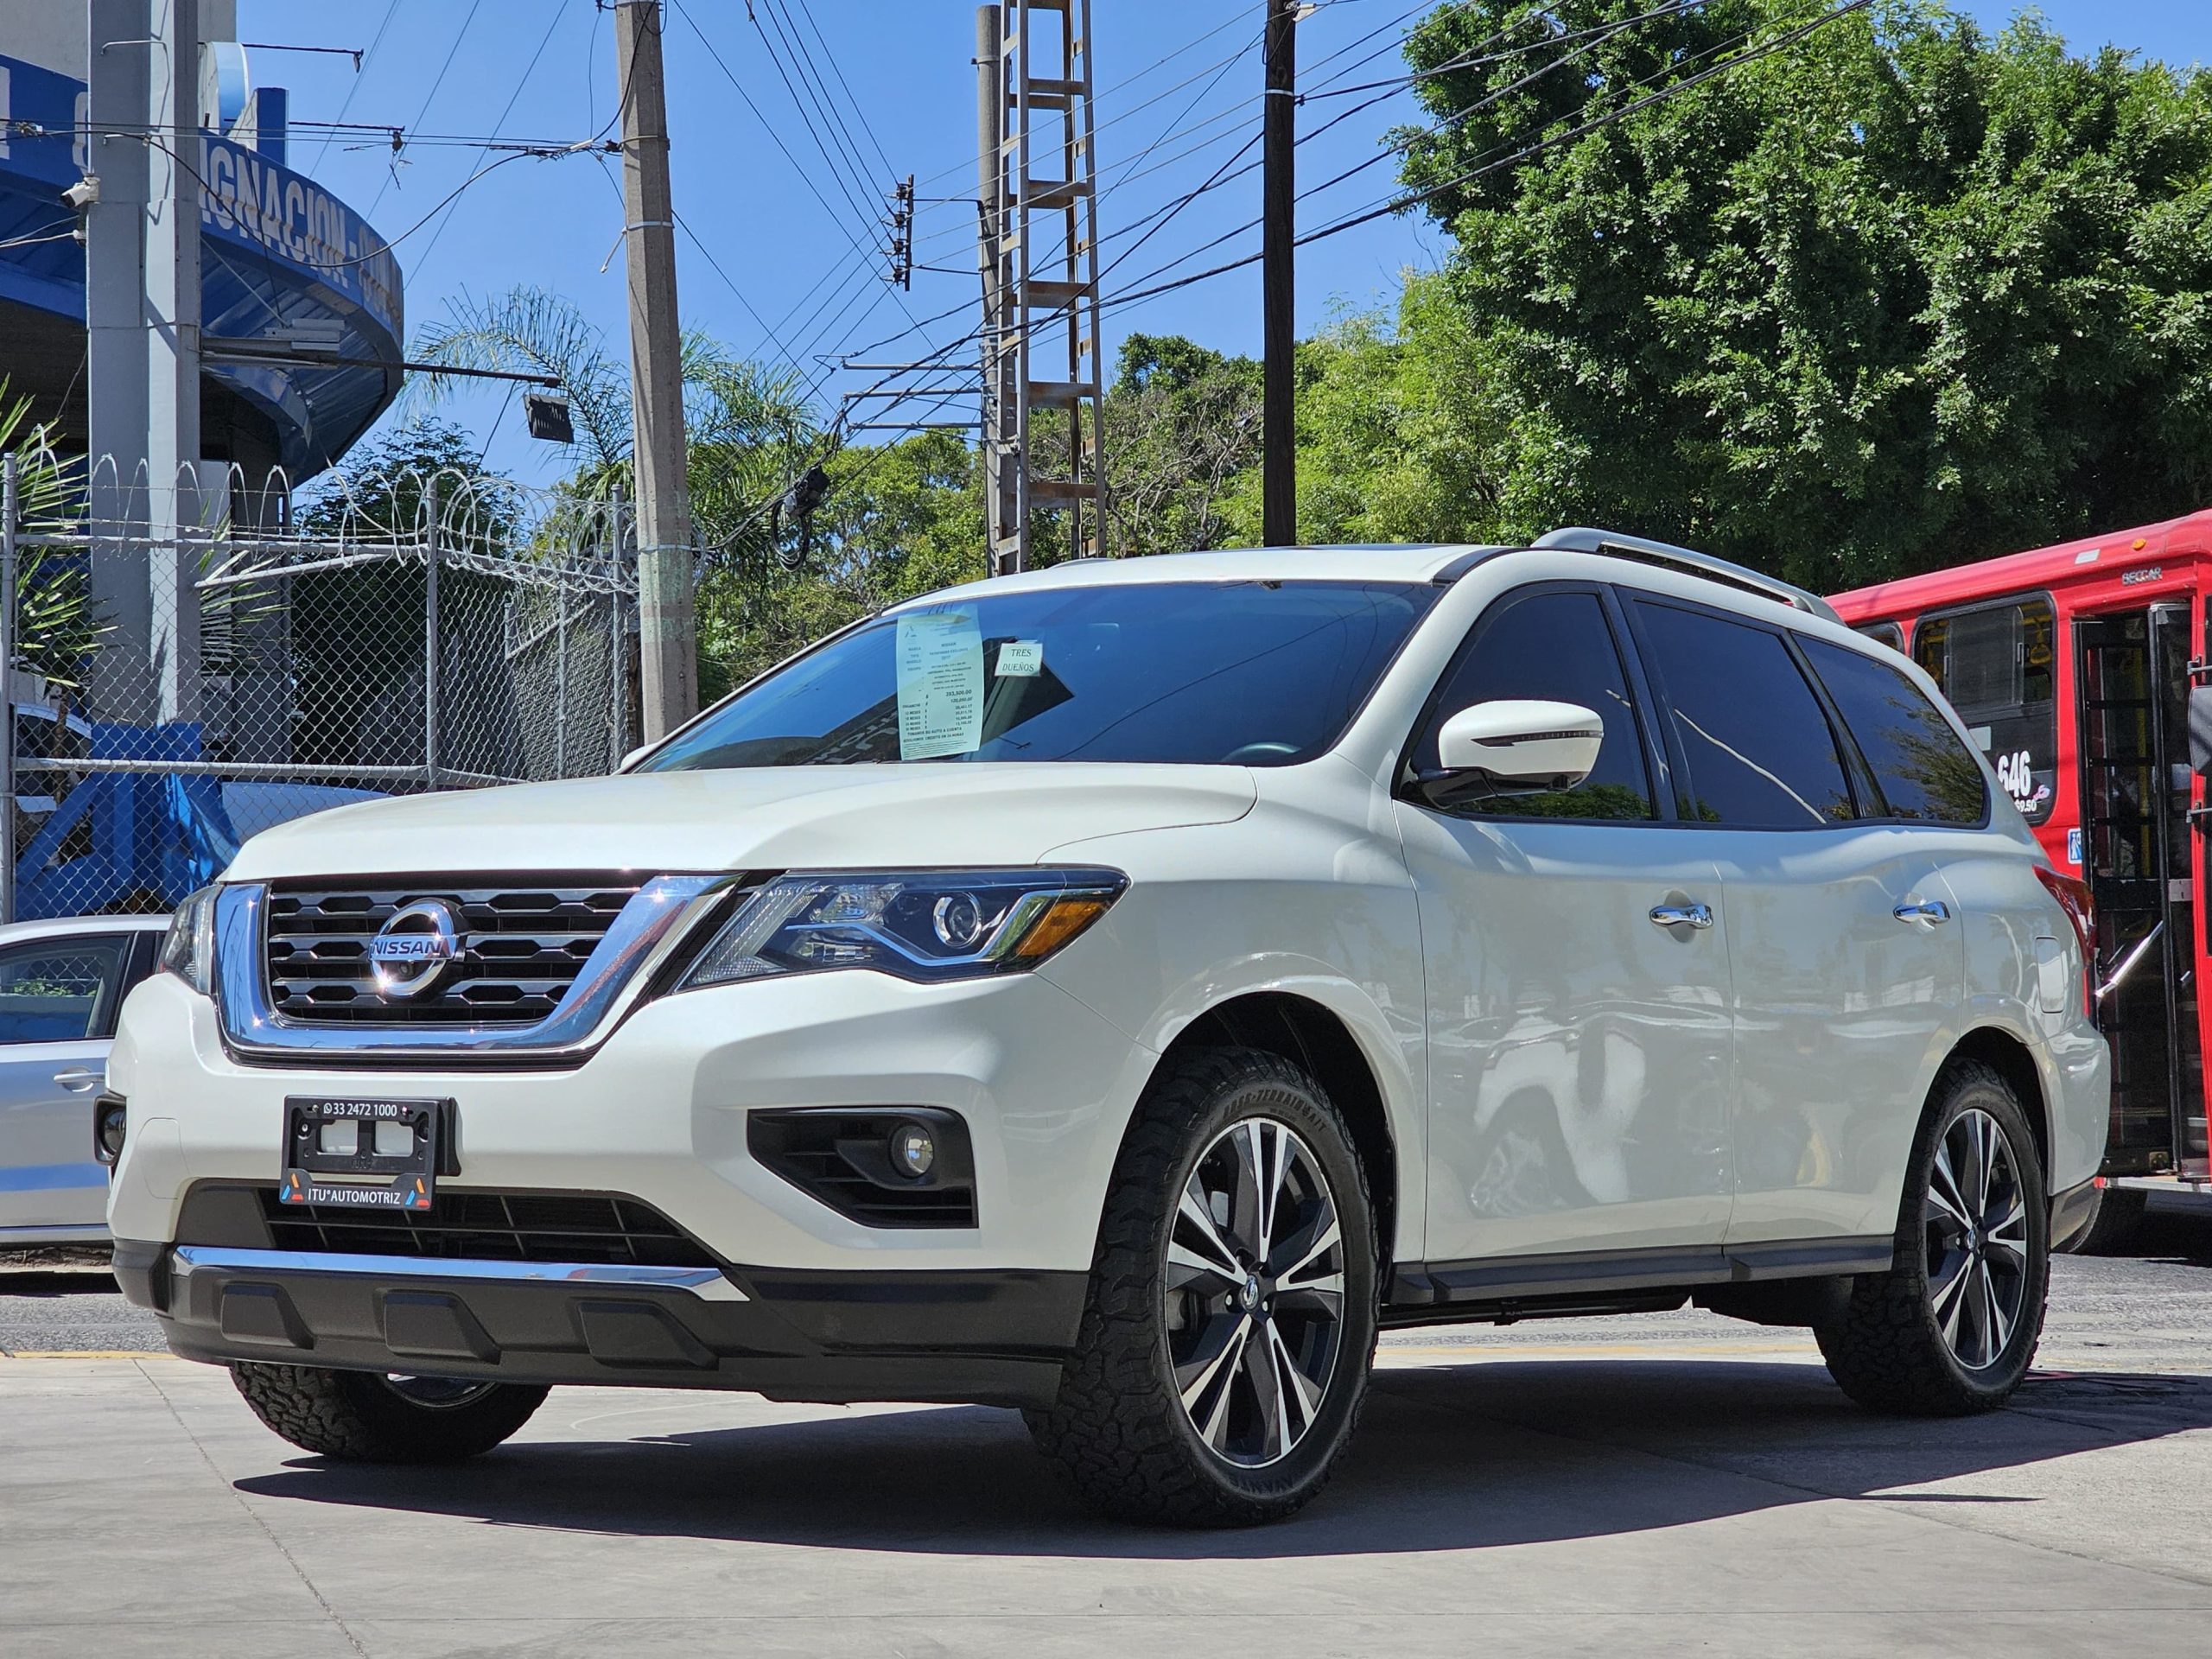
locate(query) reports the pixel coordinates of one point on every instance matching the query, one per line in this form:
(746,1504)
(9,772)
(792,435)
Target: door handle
(1699,916)
(77,1079)
(1929,909)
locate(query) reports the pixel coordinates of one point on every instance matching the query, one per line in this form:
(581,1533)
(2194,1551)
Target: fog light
(111,1118)
(913,1152)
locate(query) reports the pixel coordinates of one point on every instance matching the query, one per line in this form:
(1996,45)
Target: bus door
(2131,682)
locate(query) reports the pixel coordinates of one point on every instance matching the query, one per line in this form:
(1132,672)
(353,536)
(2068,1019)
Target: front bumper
(988,1337)
(659,1112)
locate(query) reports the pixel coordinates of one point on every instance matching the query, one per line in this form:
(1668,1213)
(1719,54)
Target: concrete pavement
(1662,1484)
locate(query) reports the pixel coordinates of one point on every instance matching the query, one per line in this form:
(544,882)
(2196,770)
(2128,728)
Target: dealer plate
(365,1151)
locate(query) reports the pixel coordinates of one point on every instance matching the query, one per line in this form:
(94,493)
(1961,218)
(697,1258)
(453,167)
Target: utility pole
(667,613)
(1279,333)
(142,315)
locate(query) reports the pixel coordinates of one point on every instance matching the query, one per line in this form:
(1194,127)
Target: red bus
(2079,668)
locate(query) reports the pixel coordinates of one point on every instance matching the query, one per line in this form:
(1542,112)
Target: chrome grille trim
(648,927)
(525,945)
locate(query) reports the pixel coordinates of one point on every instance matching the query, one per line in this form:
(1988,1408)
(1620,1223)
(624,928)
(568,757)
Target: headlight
(189,950)
(921,925)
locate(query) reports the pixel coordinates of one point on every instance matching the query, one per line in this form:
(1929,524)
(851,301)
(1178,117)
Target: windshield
(1258,674)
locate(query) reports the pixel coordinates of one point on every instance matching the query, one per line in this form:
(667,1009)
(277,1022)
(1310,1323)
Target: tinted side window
(50,990)
(1995,664)
(1760,749)
(1556,645)
(1888,633)
(1924,771)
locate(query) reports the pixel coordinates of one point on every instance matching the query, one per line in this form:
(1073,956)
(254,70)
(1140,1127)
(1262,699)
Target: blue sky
(775,257)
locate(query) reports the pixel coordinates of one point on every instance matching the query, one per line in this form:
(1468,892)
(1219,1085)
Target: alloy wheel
(1975,1218)
(1255,1290)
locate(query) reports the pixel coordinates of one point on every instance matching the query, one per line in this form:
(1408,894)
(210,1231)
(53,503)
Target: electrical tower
(1039,258)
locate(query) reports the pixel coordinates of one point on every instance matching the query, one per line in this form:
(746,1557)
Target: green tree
(898,520)
(58,626)
(381,490)
(1182,421)
(748,428)
(1901,294)
(1397,429)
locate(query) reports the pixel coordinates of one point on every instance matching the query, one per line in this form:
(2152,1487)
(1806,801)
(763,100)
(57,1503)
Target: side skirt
(1505,1288)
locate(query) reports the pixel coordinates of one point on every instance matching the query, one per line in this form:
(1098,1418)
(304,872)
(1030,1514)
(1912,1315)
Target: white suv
(1119,990)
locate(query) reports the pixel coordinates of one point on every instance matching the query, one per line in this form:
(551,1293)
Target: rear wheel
(2116,1227)
(1952,1326)
(1230,1322)
(370,1417)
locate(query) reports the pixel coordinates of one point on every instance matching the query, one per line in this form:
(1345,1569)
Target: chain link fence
(189,666)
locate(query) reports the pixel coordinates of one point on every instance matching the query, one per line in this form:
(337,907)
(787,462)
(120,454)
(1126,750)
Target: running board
(1614,1274)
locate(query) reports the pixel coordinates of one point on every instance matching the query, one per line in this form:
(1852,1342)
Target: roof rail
(1581,539)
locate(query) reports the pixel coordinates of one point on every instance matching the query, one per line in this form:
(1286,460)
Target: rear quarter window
(1888,633)
(1923,770)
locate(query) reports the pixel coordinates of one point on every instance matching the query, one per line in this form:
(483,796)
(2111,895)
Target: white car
(62,984)
(1118,990)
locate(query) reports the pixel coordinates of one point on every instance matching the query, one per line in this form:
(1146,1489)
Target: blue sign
(251,202)
(276,248)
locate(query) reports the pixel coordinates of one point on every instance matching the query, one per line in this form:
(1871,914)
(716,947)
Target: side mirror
(2200,728)
(1521,745)
(637,753)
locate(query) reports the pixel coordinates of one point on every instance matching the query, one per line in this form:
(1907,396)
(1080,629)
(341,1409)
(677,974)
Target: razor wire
(192,664)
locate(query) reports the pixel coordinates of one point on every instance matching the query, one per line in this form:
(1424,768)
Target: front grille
(597,1229)
(522,948)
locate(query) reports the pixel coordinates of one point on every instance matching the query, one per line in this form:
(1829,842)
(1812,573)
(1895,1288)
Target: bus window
(1888,633)
(1995,663)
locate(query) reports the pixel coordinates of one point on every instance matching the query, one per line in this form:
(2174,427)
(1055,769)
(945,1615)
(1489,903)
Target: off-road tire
(1884,1347)
(2117,1227)
(357,1417)
(1118,1429)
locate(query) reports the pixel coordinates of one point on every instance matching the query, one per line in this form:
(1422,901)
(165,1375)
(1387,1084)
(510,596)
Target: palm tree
(750,429)
(58,626)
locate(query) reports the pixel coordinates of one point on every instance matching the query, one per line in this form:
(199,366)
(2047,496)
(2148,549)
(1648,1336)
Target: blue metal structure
(128,840)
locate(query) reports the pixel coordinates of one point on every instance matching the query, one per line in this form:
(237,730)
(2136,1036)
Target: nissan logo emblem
(411,952)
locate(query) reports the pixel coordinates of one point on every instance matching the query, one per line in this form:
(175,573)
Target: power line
(1537,147)
(391,8)
(1672,90)
(1582,42)
(843,160)
(452,52)
(1477,55)
(810,75)
(969,166)
(560,11)
(51,235)
(730,75)
(836,63)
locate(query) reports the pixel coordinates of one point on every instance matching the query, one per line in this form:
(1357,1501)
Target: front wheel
(1952,1326)
(1230,1320)
(368,1417)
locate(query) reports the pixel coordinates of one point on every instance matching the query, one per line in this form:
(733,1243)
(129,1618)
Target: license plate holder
(365,1151)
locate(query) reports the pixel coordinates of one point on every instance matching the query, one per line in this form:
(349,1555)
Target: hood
(789,817)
